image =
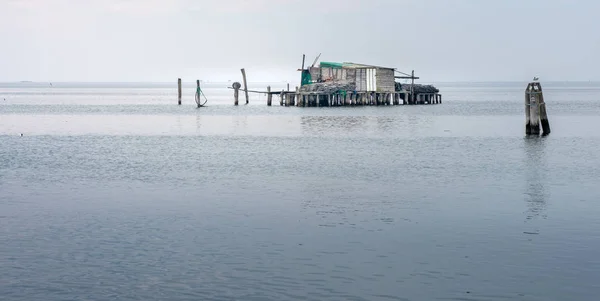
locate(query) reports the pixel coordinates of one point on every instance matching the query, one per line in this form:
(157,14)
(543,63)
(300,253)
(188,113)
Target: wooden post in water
(245,84)
(197,97)
(527,110)
(269,96)
(412,88)
(535,110)
(236,92)
(179,91)
(534,115)
(281,98)
(544,115)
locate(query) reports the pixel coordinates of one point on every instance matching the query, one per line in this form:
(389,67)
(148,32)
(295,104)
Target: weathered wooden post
(535,110)
(197,96)
(179,91)
(236,92)
(269,96)
(288,87)
(281,98)
(527,110)
(544,115)
(245,84)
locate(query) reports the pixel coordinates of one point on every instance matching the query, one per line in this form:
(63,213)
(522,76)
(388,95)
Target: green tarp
(306,78)
(331,65)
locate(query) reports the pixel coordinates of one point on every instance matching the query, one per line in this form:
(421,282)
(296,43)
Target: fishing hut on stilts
(332,84)
(352,84)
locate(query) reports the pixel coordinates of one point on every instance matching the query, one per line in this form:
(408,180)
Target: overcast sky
(160,40)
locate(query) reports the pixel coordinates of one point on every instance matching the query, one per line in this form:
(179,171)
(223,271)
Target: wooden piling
(198,101)
(534,115)
(179,91)
(281,98)
(543,114)
(269,96)
(527,113)
(245,85)
(535,110)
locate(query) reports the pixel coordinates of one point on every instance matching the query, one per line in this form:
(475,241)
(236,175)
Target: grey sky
(152,40)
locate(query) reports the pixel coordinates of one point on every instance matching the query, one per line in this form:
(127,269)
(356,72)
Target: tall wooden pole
(198,100)
(527,110)
(179,91)
(245,85)
(269,96)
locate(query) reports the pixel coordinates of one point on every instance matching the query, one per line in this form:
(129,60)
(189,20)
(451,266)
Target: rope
(198,92)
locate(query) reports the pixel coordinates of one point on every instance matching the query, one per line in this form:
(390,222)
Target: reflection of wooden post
(179,91)
(269,96)
(245,84)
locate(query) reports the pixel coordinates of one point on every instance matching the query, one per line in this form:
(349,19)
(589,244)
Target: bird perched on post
(535,79)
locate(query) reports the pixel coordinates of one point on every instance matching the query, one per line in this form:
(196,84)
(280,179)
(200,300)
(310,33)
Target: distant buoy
(21,134)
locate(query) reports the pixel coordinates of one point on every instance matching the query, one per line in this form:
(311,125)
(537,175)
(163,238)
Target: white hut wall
(361,80)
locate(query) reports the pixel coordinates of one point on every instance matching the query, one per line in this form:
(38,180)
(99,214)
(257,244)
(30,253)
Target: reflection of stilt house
(333,84)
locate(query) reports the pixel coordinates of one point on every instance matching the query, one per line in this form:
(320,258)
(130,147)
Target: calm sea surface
(116,193)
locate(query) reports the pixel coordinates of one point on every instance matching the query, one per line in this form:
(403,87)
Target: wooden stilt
(269,96)
(179,91)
